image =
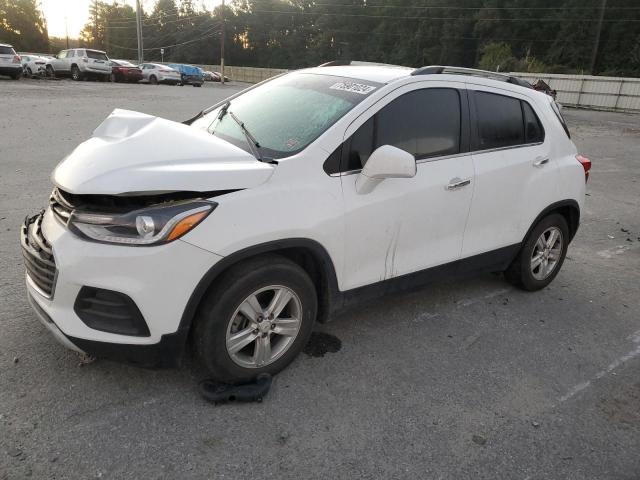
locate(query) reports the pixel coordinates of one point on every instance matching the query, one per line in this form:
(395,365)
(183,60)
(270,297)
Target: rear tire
(17,76)
(231,344)
(153,80)
(541,255)
(50,72)
(75,73)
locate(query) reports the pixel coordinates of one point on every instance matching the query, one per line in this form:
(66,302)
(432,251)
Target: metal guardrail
(607,93)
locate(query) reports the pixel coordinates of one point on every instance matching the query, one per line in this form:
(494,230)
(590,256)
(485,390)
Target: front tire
(153,80)
(255,319)
(541,255)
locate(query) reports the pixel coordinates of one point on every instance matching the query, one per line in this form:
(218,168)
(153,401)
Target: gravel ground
(469,379)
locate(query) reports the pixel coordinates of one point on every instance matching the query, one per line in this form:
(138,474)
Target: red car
(123,71)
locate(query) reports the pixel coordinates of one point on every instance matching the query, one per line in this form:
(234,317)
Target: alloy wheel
(547,252)
(264,326)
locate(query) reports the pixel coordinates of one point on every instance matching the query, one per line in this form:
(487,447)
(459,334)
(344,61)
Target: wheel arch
(308,254)
(569,209)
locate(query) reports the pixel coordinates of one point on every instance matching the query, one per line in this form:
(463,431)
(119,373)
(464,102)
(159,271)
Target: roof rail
(342,63)
(439,69)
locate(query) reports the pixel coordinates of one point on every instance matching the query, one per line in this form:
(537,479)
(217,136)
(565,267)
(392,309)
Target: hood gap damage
(99,203)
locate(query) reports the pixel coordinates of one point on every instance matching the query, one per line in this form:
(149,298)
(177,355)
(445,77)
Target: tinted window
(7,51)
(361,146)
(500,121)
(96,55)
(556,110)
(533,132)
(425,123)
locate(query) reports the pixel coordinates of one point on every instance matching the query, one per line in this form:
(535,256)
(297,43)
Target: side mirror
(385,162)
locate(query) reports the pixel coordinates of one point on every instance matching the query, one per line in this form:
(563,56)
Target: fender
(329,301)
(573,222)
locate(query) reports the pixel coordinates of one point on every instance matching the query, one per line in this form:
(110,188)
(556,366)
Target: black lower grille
(38,256)
(110,311)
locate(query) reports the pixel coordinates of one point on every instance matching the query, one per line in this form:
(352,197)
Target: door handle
(456,183)
(540,162)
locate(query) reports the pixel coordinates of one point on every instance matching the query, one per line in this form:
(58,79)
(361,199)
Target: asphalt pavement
(466,379)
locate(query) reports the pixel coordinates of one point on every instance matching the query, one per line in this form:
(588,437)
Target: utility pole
(95,24)
(139,32)
(594,55)
(66,31)
(222,47)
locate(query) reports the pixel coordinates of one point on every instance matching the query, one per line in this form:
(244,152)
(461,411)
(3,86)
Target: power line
(212,34)
(466,19)
(447,7)
(212,22)
(116,26)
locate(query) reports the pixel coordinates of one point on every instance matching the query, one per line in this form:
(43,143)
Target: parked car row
(214,76)
(85,63)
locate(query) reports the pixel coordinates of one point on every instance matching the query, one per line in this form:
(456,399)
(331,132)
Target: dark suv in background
(189,74)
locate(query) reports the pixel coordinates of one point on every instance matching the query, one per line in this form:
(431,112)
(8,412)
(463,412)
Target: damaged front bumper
(158,280)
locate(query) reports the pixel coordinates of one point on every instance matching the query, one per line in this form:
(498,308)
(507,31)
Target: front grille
(38,256)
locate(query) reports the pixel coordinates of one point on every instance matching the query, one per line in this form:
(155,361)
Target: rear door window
(7,50)
(500,121)
(425,123)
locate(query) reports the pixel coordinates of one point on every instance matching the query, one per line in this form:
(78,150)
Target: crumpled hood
(132,152)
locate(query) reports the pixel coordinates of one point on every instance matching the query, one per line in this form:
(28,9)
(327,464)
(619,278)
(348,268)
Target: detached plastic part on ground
(219,393)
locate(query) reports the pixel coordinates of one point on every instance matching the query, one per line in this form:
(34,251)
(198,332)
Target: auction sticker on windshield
(360,88)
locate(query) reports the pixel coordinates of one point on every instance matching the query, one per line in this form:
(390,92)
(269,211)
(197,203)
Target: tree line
(526,35)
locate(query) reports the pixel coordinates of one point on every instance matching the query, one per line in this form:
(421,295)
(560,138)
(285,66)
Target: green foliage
(529,35)
(497,57)
(23,26)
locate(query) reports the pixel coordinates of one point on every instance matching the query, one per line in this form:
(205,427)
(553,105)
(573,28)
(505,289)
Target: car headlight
(147,226)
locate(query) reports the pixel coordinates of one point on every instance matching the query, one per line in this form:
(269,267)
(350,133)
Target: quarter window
(425,123)
(505,122)
(533,132)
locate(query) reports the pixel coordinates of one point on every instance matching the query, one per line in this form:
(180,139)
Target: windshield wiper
(223,110)
(251,140)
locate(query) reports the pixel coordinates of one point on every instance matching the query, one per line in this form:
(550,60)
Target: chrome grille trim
(38,256)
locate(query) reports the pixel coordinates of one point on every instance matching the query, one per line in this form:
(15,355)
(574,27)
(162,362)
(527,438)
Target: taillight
(586,164)
(16,59)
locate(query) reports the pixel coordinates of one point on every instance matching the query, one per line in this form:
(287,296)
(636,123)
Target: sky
(76,13)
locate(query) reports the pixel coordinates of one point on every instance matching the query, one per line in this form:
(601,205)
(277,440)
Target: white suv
(10,63)
(293,199)
(80,63)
